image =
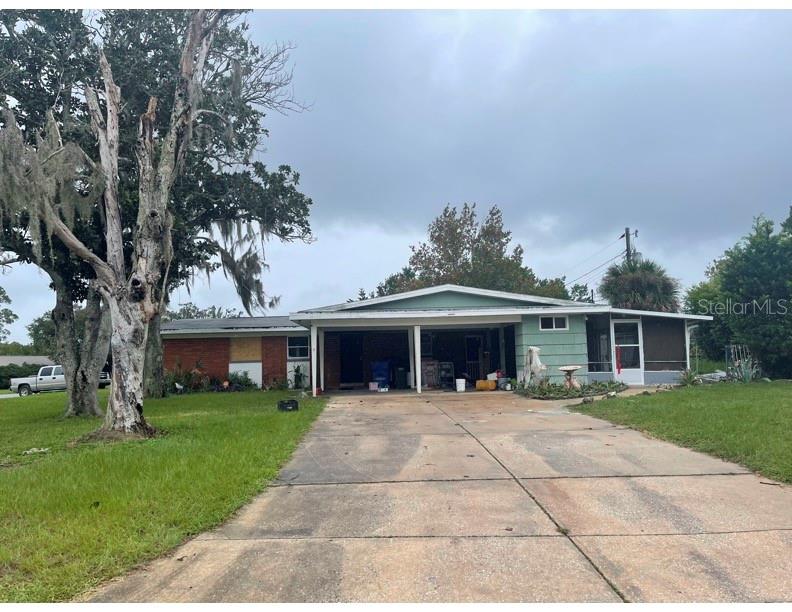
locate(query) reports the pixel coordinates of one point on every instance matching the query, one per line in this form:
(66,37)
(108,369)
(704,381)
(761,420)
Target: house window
(298,347)
(553,323)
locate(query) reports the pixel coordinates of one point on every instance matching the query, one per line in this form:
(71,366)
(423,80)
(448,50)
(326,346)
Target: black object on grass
(288,405)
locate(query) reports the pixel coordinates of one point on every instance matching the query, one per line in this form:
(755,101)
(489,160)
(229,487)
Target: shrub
(745,370)
(190,380)
(548,390)
(240,381)
(689,378)
(278,384)
(17,371)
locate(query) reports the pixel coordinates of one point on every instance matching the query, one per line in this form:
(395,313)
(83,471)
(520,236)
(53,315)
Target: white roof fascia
(484,312)
(667,315)
(234,333)
(444,313)
(404,323)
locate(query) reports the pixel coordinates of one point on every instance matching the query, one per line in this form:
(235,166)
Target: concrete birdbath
(570,382)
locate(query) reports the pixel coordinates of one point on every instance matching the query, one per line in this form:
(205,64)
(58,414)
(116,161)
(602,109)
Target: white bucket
(460,385)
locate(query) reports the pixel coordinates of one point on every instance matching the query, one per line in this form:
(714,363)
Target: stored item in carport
(445,374)
(486,385)
(400,378)
(380,372)
(288,405)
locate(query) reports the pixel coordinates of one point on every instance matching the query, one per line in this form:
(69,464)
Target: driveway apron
(486,497)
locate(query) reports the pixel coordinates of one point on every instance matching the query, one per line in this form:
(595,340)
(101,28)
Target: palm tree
(640,284)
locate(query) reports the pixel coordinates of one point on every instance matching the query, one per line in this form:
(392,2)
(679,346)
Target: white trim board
(482,313)
(230,333)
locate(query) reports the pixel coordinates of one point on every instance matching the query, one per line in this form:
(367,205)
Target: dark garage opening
(353,359)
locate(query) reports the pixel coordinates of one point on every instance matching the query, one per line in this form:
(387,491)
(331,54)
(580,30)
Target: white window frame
(306,347)
(554,328)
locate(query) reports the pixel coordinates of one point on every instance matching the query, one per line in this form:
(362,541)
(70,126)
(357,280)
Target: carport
(410,353)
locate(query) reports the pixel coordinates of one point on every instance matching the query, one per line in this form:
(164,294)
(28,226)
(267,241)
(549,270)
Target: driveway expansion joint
(561,529)
(440,536)
(378,482)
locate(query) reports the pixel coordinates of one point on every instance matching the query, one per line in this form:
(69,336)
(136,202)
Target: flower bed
(554,391)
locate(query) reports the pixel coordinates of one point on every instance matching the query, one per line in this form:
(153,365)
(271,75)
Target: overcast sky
(576,124)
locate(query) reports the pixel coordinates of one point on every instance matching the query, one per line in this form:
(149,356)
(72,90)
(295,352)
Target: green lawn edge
(79,515)
(749,424)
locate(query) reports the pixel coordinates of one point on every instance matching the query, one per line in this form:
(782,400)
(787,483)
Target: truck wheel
(24,391)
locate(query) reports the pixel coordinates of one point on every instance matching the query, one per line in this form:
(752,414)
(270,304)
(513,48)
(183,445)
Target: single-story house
(6,360)
(429,337)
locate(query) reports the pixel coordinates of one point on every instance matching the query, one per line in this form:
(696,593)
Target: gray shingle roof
(199,325)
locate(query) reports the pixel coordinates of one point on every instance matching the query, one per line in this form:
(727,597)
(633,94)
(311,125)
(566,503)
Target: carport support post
(313,359)
(502,348)
(410,353)
(321,360)
(417,356)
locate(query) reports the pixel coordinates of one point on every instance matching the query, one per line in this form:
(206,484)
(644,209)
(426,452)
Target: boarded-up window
(245,349)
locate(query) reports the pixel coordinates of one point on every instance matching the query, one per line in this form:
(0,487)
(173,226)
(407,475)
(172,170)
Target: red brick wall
(210,354)
(273,359)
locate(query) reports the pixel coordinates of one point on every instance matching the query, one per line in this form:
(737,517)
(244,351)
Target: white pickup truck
(49,378)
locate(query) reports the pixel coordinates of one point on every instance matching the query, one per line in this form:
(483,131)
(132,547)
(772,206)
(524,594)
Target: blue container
(380,373)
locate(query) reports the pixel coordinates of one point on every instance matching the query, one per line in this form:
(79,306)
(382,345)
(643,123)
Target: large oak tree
(217,180)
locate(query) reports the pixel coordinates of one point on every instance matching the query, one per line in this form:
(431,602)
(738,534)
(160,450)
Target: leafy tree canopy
(7,316)
(43,336)
(641,284)
(461,250)
(191,311)
(749,294)
(48,57)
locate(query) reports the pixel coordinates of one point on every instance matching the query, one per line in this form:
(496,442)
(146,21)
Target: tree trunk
(128,347)
(154,371)
(81,361)
(92,357)
(66,349)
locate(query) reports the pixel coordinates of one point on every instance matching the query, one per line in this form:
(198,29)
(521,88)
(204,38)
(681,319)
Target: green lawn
(80,514)
(706,366)
(750,424)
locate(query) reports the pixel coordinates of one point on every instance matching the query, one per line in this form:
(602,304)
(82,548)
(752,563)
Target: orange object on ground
(486,385)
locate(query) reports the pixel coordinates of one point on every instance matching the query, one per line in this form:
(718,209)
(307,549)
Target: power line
(593,255)
(605,263)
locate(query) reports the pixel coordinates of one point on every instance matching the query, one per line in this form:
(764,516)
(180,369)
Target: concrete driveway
(486,497)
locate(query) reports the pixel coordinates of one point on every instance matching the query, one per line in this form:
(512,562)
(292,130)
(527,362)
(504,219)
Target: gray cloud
(575,123)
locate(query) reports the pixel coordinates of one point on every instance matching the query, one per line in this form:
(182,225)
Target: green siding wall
(446,299)
(558,348)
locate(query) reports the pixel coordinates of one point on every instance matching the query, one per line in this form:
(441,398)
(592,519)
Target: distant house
(6,360)
(421,338)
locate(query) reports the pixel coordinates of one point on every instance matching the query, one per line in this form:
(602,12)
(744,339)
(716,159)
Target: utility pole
(629,246)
